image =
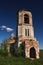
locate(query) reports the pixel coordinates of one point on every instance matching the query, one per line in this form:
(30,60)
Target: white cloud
(3,26)
(6,28)
(9,29)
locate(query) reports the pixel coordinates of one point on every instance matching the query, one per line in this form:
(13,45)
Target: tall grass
(19,61)
(11,60)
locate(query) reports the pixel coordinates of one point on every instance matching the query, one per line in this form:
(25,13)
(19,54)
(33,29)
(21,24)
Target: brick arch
(32,52)
(26,18)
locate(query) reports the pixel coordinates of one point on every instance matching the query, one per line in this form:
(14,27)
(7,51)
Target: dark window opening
(25,32)
(26,19)
(28,32)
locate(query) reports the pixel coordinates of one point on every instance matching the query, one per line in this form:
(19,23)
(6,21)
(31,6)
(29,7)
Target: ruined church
(25,33)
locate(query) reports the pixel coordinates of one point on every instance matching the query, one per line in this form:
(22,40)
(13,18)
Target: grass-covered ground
(20,60)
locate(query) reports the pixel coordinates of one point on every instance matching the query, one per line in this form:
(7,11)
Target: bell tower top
(25,17)
(25,26)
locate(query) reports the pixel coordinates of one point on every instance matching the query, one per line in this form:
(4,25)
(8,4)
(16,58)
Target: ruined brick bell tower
(26,33)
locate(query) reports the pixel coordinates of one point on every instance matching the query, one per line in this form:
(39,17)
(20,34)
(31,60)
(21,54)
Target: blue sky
(8,17)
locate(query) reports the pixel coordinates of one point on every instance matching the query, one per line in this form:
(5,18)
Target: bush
(3,52)
(21,50)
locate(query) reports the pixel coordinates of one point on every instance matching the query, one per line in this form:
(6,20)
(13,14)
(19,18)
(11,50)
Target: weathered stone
(26,34)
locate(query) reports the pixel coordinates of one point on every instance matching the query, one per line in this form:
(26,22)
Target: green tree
(3,50)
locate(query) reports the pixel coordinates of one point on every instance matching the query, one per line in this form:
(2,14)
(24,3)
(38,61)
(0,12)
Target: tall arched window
(26,19)
(26,32)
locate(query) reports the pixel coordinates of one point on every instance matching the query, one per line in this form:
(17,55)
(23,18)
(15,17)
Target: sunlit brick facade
(26,33)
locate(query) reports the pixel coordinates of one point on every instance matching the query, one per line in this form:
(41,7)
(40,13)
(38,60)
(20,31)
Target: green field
(21,61)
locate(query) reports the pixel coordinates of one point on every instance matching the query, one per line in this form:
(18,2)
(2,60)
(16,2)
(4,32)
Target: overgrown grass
(6,60)
(19,61)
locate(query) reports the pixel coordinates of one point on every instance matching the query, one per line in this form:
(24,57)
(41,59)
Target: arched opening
(32,53)
(26,19)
